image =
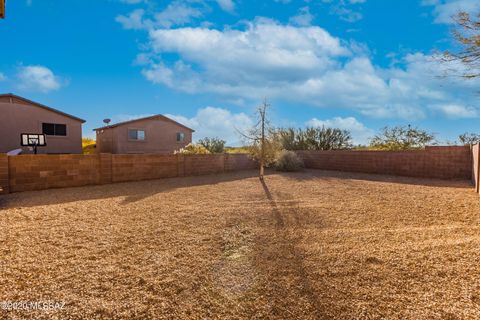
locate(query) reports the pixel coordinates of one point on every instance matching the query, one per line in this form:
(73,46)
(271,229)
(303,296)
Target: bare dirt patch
(310,245)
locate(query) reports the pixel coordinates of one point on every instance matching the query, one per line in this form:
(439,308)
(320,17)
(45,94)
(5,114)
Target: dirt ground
(309,245)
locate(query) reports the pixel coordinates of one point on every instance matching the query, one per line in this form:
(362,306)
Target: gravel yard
(309,245)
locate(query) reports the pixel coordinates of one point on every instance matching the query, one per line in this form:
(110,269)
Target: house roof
(158,116)
(11,95)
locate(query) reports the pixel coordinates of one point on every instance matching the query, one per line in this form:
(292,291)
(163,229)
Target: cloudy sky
(354,64)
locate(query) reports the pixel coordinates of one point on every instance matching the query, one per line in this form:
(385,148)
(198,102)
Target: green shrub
(289,161)
(214,145)
(193,149)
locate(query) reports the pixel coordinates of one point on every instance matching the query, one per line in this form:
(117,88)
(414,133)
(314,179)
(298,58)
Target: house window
(54,129)
(135,134)
(180,137)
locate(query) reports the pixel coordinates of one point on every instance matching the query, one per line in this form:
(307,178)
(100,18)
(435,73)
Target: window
(54,129)
(180,136)
(135,134)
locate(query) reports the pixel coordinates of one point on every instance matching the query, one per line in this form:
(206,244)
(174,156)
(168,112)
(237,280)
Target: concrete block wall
(37,172)
(235,162)
(136,167)
(433,162)
(196,165)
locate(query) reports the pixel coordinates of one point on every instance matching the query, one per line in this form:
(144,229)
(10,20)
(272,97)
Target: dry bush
(193,149)
(289,161)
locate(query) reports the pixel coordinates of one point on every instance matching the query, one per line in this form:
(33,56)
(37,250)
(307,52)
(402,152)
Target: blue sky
(355,64)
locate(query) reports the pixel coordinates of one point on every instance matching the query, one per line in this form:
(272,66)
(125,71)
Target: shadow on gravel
(132,191)
(286,282)
(310,174)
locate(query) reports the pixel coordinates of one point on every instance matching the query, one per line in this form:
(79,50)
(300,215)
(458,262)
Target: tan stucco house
(155,134)
(19,115)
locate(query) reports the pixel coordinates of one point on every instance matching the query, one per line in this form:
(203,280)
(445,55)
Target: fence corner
(4,176)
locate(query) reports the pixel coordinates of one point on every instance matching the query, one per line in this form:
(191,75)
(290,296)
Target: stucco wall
(160,137)
(17,118)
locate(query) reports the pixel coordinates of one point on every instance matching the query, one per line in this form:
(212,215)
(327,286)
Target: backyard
(308,245)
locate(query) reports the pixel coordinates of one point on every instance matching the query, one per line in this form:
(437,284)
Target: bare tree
(467,35)
(261,138)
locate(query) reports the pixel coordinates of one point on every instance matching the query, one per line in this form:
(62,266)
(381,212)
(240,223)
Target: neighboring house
(155,134)
(19,115)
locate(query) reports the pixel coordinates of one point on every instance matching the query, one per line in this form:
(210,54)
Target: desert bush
(401,138)
(318,138)
(214,145)
(469,138)
(193,149)
(237,150)
(288,161)
(271,152)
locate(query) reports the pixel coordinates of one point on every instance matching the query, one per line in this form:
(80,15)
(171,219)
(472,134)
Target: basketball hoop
(33,140)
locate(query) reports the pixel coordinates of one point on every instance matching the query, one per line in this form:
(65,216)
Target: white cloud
(457,111)
(3,77)
(217,122)
(303,65)
(344,9)
(265,52)
(303,18)
(360,133)
(444,10)
(227,5)
(38,78)
(177,13)
(134,20)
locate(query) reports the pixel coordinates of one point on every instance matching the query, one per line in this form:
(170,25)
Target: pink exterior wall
(19,117)
(160,137)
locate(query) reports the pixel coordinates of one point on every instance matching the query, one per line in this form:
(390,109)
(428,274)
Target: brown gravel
(310,245)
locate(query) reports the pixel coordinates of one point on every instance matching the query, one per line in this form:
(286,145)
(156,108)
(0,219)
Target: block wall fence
(450,162)
(37,172)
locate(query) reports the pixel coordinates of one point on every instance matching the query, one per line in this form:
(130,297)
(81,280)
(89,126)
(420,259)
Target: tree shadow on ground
(281,261)
(132,191)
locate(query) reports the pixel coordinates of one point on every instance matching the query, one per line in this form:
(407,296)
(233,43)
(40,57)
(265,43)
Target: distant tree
(314,139)
(401,138)
(469,138)
(214,145)
(467,35)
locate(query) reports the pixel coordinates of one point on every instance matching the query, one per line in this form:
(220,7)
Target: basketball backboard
(33,140)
